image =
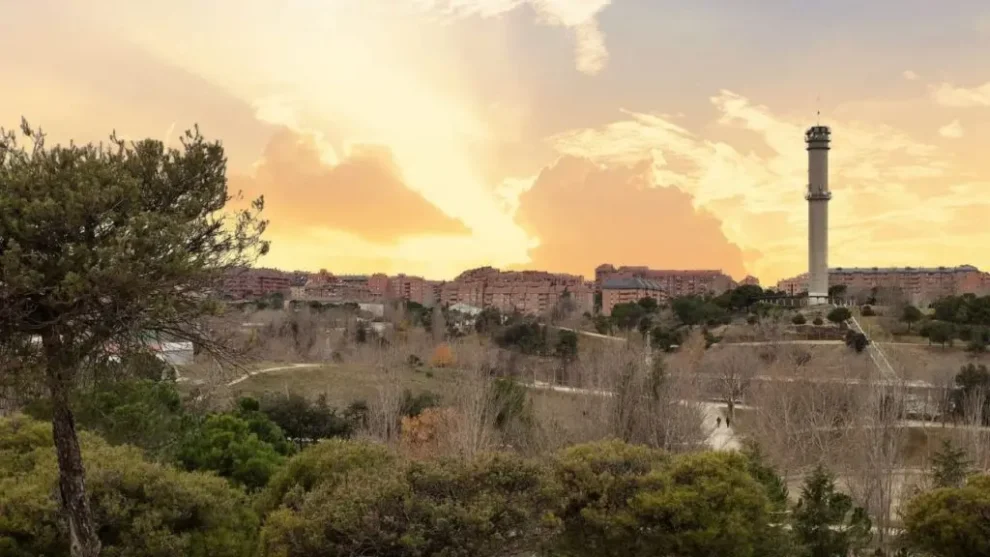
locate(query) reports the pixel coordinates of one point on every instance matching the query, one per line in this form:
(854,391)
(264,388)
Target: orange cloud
(586,214)
(363,195)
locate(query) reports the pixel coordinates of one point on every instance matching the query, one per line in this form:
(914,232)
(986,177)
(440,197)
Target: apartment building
(675,282)
(326,286)
(919,284)
(532,292)
(409,288)
(378,284)
(243,284)
(625,290)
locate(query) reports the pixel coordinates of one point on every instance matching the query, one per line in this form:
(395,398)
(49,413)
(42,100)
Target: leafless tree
(976,436)
(732,370)
(873,462)
(438,325)
(386,408)
(472,430)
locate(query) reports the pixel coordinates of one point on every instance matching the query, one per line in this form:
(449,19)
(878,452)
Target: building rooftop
(960,268)
(631,284)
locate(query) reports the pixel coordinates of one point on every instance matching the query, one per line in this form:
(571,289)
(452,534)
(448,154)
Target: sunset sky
(431,136)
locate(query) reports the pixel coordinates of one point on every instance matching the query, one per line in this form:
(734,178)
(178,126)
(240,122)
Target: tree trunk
(72,476)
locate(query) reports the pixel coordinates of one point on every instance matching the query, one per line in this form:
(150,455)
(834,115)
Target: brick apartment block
(920,284)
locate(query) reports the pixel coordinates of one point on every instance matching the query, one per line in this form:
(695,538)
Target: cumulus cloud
(578,16)
(947,94)
(585,214)
(952,130)
(754,183)
(910,75)
(363,195)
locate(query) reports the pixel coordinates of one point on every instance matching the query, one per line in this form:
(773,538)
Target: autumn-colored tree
(422,434)
(443,356)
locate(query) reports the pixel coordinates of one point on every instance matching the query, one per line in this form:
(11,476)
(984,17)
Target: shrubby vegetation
(140,508)
(951,521)
(967,309)
(341,497)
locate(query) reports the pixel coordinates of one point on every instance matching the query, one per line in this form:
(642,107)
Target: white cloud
(910,75)
(952,130)
(947,94)
(578,16)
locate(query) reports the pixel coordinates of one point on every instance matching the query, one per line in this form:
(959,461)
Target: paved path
(780,342)
(590,334)
(720,437)
(271,369)
(921,424)
(180,379)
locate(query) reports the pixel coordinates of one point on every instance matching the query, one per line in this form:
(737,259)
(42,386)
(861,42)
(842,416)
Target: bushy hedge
(142,509)
(340,498)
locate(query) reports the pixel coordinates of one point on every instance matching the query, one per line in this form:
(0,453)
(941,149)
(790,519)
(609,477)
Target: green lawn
(343,383)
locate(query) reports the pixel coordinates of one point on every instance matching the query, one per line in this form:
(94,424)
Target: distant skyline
(432,136)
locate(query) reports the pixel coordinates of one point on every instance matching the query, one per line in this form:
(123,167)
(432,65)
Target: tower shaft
(818,196)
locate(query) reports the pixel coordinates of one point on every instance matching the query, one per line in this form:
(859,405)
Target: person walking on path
(726,421)
(718,422)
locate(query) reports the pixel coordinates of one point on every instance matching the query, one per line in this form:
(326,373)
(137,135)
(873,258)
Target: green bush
(413,405)
(141,509)
(621,500)
(225,444)
(799,319)
(839,315)
(304,421)
(485,507)
(325,463)
(144,413)
(950,522)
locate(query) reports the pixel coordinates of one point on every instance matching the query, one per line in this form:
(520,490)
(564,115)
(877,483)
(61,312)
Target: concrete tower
(818,196)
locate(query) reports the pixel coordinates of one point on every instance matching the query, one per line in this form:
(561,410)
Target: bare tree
(976,433)
(438,325)
(873,464)
(473,430)
(733,370)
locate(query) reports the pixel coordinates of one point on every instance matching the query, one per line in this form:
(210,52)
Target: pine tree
(949,466)
(826,521)
(101,248)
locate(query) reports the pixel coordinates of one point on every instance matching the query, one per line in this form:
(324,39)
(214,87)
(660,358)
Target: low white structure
(174,353)
(378,310)
(465,309)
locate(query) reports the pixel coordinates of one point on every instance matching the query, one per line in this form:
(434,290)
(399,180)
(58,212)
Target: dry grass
(934,364)
(343,383)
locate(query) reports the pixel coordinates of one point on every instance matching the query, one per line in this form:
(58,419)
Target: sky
(432,136)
